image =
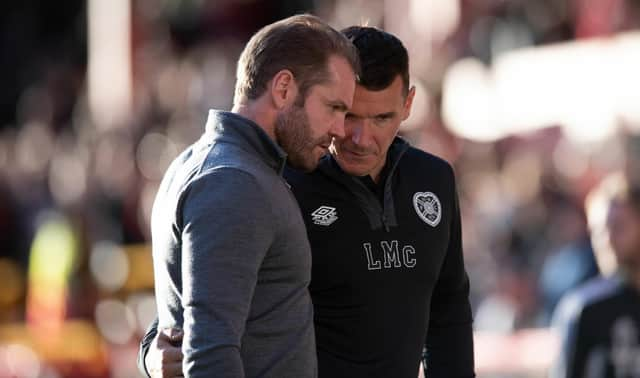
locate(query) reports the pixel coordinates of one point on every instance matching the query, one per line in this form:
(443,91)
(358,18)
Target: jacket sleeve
(448,349)
(145,344)
(227,229)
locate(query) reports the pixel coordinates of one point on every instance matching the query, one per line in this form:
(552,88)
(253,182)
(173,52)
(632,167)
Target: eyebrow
(380,115)
(384,115)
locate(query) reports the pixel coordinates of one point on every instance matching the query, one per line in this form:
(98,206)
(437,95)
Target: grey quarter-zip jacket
(232,261)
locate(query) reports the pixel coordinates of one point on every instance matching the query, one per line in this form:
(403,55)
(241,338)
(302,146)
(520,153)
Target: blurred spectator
(565,269)
(568,263)
(52,257)
(599,322)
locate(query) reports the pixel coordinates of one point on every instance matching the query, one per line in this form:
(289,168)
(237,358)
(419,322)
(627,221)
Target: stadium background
(531,101)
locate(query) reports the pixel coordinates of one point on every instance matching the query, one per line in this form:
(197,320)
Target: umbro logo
(324,215)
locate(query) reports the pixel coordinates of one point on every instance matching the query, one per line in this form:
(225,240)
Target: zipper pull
(384,222)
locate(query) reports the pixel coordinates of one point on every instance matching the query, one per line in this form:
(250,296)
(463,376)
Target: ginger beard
(293,133)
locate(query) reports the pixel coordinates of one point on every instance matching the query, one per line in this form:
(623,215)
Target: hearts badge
(428,207)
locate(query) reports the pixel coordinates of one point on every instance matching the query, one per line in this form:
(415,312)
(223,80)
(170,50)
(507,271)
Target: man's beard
(293,134)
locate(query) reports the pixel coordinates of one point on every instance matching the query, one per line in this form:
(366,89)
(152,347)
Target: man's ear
(284,89)
(408,102)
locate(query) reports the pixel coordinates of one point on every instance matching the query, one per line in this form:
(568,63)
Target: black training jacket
(387,275)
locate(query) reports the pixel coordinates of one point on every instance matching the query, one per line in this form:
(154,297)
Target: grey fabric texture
(231,257)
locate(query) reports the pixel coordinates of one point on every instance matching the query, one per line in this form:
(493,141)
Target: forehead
(369,103)
(341,83)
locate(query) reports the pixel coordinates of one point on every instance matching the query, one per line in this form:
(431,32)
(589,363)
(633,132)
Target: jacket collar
(380,215)
(235,129)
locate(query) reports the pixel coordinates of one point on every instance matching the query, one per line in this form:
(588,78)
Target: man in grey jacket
(231,256)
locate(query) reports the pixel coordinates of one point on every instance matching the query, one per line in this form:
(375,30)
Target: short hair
(382,57)
(302,44)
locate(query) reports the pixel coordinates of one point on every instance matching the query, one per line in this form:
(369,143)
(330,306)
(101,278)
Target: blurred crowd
(76,190)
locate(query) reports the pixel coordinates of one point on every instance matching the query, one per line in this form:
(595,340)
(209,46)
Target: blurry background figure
(599,322)
(53,254)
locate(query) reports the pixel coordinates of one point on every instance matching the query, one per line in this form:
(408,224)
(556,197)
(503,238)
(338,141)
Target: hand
(164,358)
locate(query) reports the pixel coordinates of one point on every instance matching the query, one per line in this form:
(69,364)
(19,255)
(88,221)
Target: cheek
(634,235)
(622,238)
(383,139)
(318,118)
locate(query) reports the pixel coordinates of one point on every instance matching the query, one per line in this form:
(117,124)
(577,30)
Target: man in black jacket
(388,281)
(599,322)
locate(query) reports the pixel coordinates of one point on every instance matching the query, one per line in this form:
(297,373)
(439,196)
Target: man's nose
(359,133)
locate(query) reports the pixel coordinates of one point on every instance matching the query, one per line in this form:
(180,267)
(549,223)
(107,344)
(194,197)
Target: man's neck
(258,113)
(379,173)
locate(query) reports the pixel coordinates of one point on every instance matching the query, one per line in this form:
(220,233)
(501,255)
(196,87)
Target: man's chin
(304,165)
(308,168)
(309,160)
(350,169)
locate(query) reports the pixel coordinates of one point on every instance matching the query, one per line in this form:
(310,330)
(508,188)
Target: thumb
(173,334)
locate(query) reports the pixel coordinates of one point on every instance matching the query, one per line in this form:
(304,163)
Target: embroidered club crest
(428,207)
(324,215)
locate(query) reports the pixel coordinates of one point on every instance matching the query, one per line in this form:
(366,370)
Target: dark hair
(382,57)
(302,44)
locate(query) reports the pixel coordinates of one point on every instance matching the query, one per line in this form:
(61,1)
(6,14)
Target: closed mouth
(356,153)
